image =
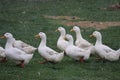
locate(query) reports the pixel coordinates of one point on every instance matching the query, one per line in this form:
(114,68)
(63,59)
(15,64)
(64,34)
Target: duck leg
(3,59)
(22,65)
(98,58)
(43,62)
(81,59)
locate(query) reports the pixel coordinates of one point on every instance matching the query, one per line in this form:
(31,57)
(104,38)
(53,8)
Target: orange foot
(99,58)
(43,62)
(22,65)
(81,59)
(3,60)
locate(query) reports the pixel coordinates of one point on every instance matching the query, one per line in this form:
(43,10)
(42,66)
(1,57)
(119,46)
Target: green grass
(25,19)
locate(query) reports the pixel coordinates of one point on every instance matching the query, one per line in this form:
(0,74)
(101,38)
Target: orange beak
(71,30)
(56,30)
(37,36)
(91,35)
(2,37)
(65,38)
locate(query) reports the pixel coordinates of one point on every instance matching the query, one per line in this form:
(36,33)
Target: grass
(25,19)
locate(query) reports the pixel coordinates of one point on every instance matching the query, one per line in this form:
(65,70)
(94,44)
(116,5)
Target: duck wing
(24,46)
(107,49)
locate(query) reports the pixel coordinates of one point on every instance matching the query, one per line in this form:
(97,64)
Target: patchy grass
(25,19)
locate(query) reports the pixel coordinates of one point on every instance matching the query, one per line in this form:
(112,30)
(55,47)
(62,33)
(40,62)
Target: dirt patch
(63,17)
(97,25)
(70,21)
(112,7)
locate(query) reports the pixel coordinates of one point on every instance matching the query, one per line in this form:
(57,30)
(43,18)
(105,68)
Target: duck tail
(59,56)
(118,51)
(28,58)
(30,49)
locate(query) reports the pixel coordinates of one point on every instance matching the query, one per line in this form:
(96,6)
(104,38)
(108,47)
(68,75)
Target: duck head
(60,29)
(7,35)
(75,28)
(40,35)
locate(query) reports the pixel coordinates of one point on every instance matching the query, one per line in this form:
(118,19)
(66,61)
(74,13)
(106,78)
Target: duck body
(113,56)
(17,55)
(46,52)
(2,55)
(76,52)
(2,52)
(104,51)
(50,55)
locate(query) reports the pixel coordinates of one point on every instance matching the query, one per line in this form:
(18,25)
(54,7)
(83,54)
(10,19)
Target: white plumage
(16,55)
(62,43)
(76,52)
(46,52)
(104,51)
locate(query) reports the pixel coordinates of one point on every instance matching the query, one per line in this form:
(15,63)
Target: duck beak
(71,30)
(37,36)
(91,36)
(65,38)
(56,30)
(2,37)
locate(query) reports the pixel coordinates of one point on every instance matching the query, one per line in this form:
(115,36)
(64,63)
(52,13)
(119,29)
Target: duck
(16,55)
(2,54)
(46,52)
(75,52)
(104,51)
(80,41)
(23,46)
(61,42)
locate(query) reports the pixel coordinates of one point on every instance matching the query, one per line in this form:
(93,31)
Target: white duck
(23,46)
(46,52)
(62,43)
(2,54)
(18,56)
(80,41)
(104,51)
(76,52)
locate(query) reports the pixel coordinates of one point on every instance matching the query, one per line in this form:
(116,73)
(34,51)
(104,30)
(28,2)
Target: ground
(71,21)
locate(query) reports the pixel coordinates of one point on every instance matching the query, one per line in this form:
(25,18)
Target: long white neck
(9,43)
(62,34)
(43,41)
(99,40)
(78,34)
(71,41)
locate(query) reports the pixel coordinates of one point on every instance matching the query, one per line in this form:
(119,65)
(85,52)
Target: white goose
(62,43)
(46,52)
(18,56)
(2,54)
(76,52)
(104,51)
(80,41)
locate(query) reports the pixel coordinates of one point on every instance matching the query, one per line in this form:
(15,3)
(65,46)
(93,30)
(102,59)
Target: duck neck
(71,41)
(78,35)
(43,41)
(9,43)
(99,40)
(62,34)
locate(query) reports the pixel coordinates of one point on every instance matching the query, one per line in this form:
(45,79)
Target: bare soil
(69,21)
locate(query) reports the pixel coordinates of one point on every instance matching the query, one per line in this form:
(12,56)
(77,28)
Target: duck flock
(21,53)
